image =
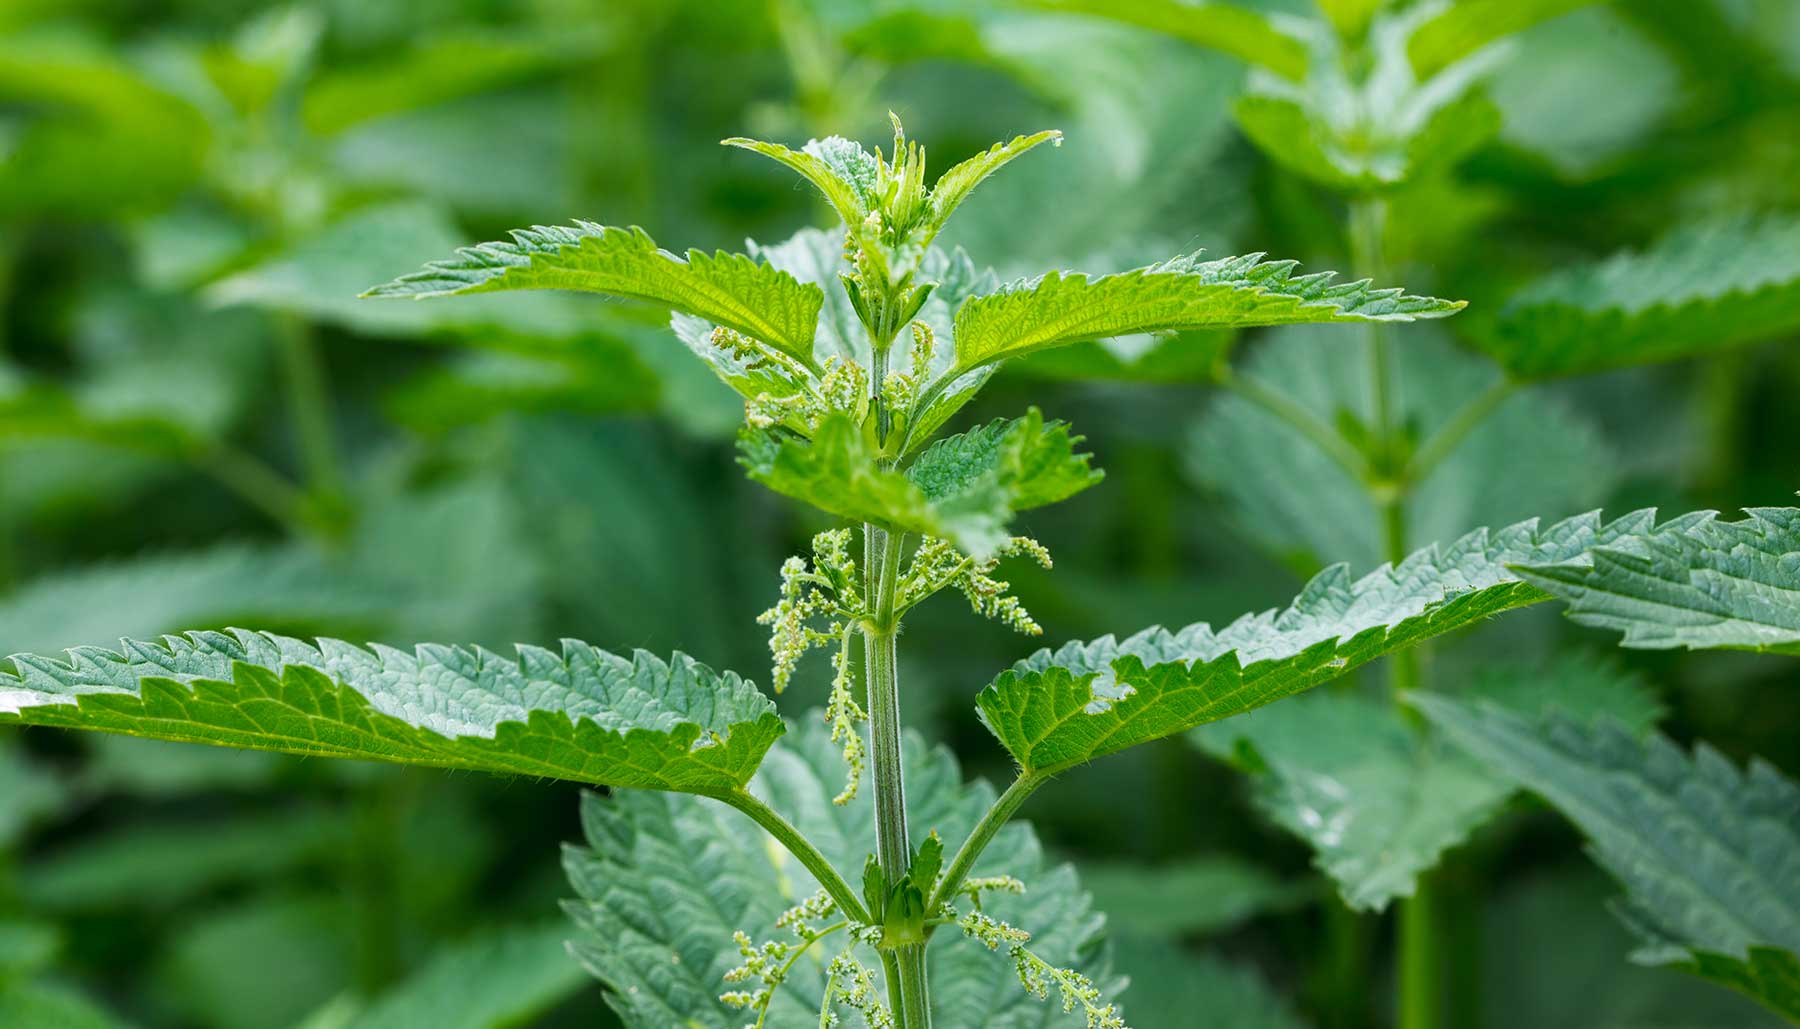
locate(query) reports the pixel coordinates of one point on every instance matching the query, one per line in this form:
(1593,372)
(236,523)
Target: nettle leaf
(1357,129)
(1379,801)
(1304,506)
(1057,709)
(583,715)
(664,880)
(963,488)
(1701,584)
(1457,30)
(1226,27)
(1709,855)
(1699,290)
(1185,293)
(841,169)
(729,289)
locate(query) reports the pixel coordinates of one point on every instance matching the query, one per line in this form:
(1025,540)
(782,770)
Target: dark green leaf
(1699,290)
(584,715)
(1709,855)
(1062,708)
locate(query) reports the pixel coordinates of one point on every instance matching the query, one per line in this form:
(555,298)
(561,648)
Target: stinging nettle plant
(885,881)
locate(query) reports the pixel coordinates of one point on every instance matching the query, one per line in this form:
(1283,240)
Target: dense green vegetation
(1364,785)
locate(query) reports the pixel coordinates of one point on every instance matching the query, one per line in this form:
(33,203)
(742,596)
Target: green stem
(997,816)
(893,849)
(1444,442)
(808,855)
(1297,416)
(1419,958)
(258,484)
(890,970)
(311,409)
(1419,986)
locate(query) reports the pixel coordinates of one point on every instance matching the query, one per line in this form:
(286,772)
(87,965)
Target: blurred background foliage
(200,426)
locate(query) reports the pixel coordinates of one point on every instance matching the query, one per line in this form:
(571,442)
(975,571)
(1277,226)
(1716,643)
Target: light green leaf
(1225,27)
(1029,462)
(963,488)
(583,715)
(1354,158)
(83,107)
(816,257)
(730,289)
(501,978)
(1699,290)
(26,947)
(664,881)
(841,169)
(1709,855)
(1202,895)
(1362,120)
(1181,294)
(1380,802)
(1459,29)
(1058,709)
(955,185)
(51,1004)
(435,70)
(1703,584)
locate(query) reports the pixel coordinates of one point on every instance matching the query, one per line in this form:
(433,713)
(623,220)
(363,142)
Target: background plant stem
(1417,959)
(310,408)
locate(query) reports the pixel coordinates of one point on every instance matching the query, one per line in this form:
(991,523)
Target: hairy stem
(890,971)
(799,846)
(997,816)
(893,849)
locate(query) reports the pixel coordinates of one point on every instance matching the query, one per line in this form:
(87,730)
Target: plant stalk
(997,816)
(798,845)
(310,408)
(1420,986)
(893,849)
